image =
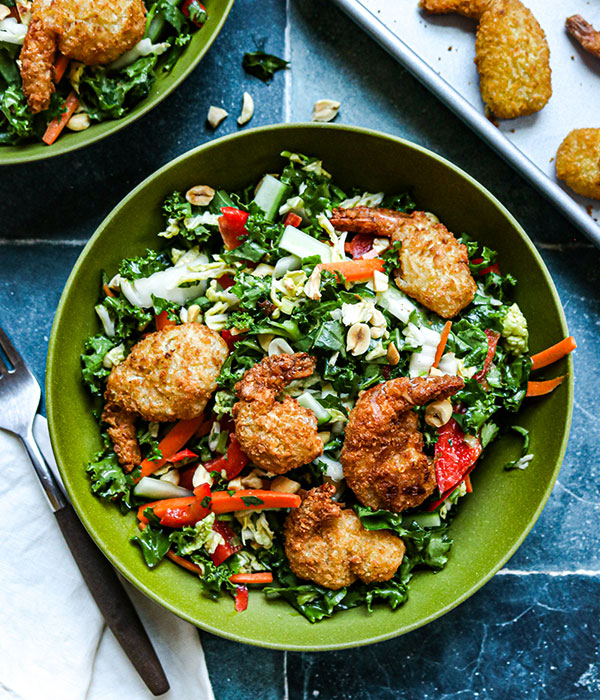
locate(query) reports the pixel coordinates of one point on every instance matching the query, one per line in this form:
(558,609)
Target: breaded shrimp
(121,430)
(585,34)
(37,59)
(91,31)
(434,267)
(513,60)
(170,374)
(329,545)
(468,8)
(578,162)
(276,436)
(383,457)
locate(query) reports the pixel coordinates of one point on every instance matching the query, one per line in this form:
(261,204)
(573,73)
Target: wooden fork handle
(113,601)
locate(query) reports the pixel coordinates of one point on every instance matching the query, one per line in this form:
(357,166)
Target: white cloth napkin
(53,641)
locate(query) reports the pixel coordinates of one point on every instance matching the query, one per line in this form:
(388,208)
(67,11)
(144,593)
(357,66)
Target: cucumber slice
(422,520)
(308,401)
(155,489)
(269,194)
(301,244)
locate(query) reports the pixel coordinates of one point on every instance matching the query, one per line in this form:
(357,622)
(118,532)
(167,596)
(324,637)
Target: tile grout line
(520,572)
(22,242)
(287,51)
(286,687)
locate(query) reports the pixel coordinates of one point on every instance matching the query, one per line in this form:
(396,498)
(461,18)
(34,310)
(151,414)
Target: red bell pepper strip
(492,337)
(163,321)
(180,456)
(173,441)
(231,463)
(179,512)
(361,244)
(241,598)
(453,456)
(486,270)
(226,281)
(232,226)
(230,338)
(224,551)
(292,220)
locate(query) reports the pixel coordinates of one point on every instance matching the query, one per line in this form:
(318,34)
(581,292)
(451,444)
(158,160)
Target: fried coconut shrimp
(578,162)
(513,60)
(468,8)
(276,436)
(169,375)
(383,459)
(584,33)
(91,31)
(434,267)
(329,545)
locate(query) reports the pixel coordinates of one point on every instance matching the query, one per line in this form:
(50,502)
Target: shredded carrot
(553,353)
(442,344)
(468,484)
(173,441)
(354,270)
(184,562)
(108,291)
(260,577)
(60,66)
(252,499)
(543,388)
(163,321)
(57,125)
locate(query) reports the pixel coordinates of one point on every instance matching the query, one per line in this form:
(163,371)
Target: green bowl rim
(117,124)
(146,589)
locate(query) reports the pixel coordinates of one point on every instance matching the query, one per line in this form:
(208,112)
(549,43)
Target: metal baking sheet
(439,52)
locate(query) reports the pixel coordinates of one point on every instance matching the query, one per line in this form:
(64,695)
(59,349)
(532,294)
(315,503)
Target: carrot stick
(468,484)
(354,270)
(163,321)
(261,577)
(185,563)
(442,344)
(57,125)
(172,442)
(60,66)
(542,388)
(222,502)
(553,353)
(108,291)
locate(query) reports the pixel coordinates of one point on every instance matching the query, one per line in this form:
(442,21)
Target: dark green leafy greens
(263,65)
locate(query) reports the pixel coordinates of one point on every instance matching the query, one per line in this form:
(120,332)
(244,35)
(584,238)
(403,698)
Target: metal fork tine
(10,351)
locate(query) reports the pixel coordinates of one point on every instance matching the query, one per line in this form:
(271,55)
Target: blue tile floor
(533,631)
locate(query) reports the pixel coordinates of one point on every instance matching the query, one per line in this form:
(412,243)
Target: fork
(20,396)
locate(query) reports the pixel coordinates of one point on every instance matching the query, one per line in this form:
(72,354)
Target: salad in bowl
(295,384)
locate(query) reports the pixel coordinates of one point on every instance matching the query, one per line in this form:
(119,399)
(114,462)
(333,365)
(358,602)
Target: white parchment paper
(447,44)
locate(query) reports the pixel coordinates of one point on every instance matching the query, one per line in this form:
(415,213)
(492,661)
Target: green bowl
(491,523)
(164,84)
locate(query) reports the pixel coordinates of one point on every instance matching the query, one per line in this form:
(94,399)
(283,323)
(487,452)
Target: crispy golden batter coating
(330,546)
(434,267)
(383,457)
(90,31)
(121,430)
(578,162)
(97,31)
(468,8)
(276,436)
(37,59)
(584,33)
(513,60)
(169,375)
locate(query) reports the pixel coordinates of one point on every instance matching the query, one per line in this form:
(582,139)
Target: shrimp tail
(267,378)
(121,430)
